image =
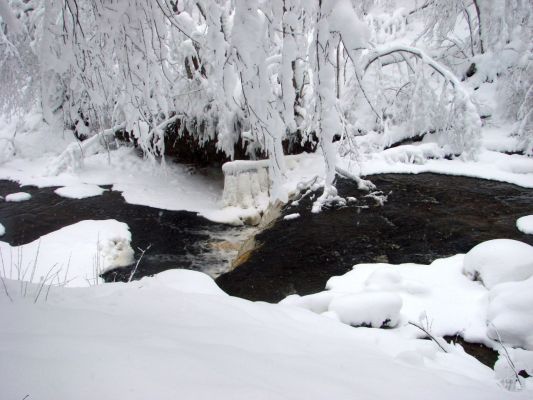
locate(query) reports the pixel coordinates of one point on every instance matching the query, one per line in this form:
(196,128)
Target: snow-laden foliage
(269,76)
(489,41)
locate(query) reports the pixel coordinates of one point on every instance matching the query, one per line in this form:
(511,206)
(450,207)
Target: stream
(178,239)
(425,216)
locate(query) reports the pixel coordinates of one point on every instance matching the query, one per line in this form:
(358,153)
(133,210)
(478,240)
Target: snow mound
(450,302)
(385,278)
(19,196)
(80,191)
(290,217)
(185,281)
(2,230)
(116,252)
(317,303)
(372,309)
(510,313)
(498,261)
(525,224)
(74,255)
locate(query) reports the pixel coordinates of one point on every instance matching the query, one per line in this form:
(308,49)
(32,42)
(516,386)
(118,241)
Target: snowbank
(150,339)
(19,196)
(440,299)
(72,256)
(493,165)
(498,261)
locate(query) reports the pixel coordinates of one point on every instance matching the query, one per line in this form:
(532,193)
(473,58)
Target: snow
(19,196)
(245,195)
(498,261)
(439,294)
(525,224)
(492,165)
(184,281)
(292,216)
(155,339)
(440,299)
(2,230)
(167,335)
(509,314)
(75,255)
(80,191)
(374,309)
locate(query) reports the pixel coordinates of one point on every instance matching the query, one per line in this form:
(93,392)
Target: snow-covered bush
(498,261)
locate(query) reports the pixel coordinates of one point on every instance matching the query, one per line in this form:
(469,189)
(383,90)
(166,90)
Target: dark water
(179,239)
(427,216)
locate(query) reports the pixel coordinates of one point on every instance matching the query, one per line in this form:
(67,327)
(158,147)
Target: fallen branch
(362,184)
(72,156)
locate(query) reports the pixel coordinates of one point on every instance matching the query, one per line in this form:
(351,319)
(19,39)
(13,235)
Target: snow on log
(72,157)
(246,184)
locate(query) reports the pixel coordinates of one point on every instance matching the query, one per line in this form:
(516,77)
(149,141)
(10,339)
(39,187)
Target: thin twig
(427,333)
(138,262)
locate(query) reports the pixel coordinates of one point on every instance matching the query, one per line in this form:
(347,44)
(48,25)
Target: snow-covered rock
(498,261)
(525,224)
(116,252)
(374,309)
(80,191)
(510,313)
(19,196)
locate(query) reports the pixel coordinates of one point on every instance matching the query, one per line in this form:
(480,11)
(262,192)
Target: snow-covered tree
(268,75)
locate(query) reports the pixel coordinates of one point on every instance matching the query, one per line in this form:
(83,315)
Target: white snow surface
(515,169)
(440,299)
(510,313)
(155,339)
(525,224)
(80,191)
(72,256)
(17,197)
(499,261)
(438,294)
(2,230)
(374,309)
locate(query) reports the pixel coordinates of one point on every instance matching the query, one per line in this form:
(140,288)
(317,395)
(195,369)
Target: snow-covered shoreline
(95,343)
